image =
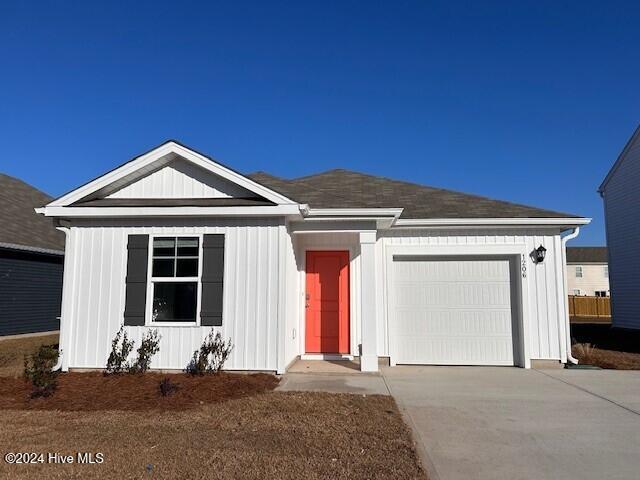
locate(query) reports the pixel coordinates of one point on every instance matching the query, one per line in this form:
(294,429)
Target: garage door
(452,311)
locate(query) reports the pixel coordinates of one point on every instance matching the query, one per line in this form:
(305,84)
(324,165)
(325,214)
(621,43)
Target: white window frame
(153,280)
(606,271)
(579,269)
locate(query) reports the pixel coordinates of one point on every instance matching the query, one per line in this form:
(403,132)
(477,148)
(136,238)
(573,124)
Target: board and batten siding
(94,302)
(546,314)
(181,179)
(622,220)
(30,292)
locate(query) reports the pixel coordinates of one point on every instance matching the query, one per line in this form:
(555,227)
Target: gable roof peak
(162,154)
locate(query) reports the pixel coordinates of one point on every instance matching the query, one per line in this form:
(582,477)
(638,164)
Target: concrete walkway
(509,423)
(332,376)
(334,383)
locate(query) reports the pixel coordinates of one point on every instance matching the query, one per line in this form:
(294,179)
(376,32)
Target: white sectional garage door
(452,311)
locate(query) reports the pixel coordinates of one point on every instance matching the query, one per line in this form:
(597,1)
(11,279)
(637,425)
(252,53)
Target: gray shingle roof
(587,255)
(347,189)
(19,224)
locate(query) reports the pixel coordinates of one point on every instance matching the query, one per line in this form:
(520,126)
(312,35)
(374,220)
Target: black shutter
(212,279)
(136,291)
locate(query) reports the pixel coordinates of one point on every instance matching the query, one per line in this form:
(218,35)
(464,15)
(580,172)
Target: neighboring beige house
(588,271)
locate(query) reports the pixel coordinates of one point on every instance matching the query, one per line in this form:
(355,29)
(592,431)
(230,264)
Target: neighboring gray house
(31,261)
(588,271)
(621,193)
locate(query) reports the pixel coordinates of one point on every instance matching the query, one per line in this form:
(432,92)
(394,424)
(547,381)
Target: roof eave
(27,248)
(619,160)
(567,222)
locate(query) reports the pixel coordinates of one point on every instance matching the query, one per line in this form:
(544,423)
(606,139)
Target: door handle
(307,297)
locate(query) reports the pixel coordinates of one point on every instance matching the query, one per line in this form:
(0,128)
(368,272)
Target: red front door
(327,302)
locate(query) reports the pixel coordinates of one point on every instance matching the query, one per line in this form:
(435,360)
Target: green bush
(167,387)
(121,347)
(37,370)
(149,346)
(212,355)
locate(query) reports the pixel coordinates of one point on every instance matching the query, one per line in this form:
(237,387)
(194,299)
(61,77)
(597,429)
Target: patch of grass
(273,435)
(12,352)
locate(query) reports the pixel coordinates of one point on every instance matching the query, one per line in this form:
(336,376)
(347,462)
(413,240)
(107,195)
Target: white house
(621,196)
(588,271)
(334,265)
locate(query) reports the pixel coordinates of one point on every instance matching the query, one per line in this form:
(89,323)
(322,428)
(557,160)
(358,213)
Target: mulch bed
(609,359)
(606,347)
(96,391)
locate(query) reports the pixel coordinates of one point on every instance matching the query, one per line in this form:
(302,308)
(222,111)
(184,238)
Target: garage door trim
(515,250)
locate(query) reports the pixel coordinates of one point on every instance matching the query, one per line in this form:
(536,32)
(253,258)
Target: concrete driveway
(510,423)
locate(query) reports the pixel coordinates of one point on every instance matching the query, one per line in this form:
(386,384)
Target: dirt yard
(272,435)
(606,347)
(213,427)
(12,352)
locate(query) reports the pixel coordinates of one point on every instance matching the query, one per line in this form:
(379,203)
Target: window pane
(174,302)
(164,247)
(188,246)
(187,267)
(162,267)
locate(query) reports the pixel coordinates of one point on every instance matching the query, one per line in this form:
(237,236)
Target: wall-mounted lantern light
(540,253)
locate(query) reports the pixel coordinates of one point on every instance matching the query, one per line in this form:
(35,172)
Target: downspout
(574,234)
(67,265)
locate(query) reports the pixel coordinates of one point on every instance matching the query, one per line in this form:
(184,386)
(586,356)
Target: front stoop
(341,367)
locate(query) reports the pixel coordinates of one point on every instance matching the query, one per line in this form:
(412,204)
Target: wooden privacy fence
(594,307)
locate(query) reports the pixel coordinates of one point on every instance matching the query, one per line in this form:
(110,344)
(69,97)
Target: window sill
(172,324)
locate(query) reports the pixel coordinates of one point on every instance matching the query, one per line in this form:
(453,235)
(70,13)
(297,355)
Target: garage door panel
(454,295)
(445,270)
(455,312)
(461,323)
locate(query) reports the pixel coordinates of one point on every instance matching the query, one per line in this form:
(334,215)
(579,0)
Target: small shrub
(167,387)
(149,346)
(212,355)
(584,352)
(121,347)
(37,369)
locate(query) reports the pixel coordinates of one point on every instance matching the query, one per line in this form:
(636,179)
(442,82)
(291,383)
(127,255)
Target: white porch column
(369,354)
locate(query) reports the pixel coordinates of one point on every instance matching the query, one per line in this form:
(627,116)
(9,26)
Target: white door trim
(353,345)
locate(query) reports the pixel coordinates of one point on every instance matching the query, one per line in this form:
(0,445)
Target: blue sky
(523,101)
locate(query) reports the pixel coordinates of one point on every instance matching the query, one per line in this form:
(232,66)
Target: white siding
(180,179)
(622,216)
(293,332)
(251,290)
(264,289)
(542,280)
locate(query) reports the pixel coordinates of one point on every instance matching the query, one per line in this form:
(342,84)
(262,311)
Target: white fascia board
(161,151)
(26,248)
(384,217)
(97,212)
(355,212)
(489,222)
